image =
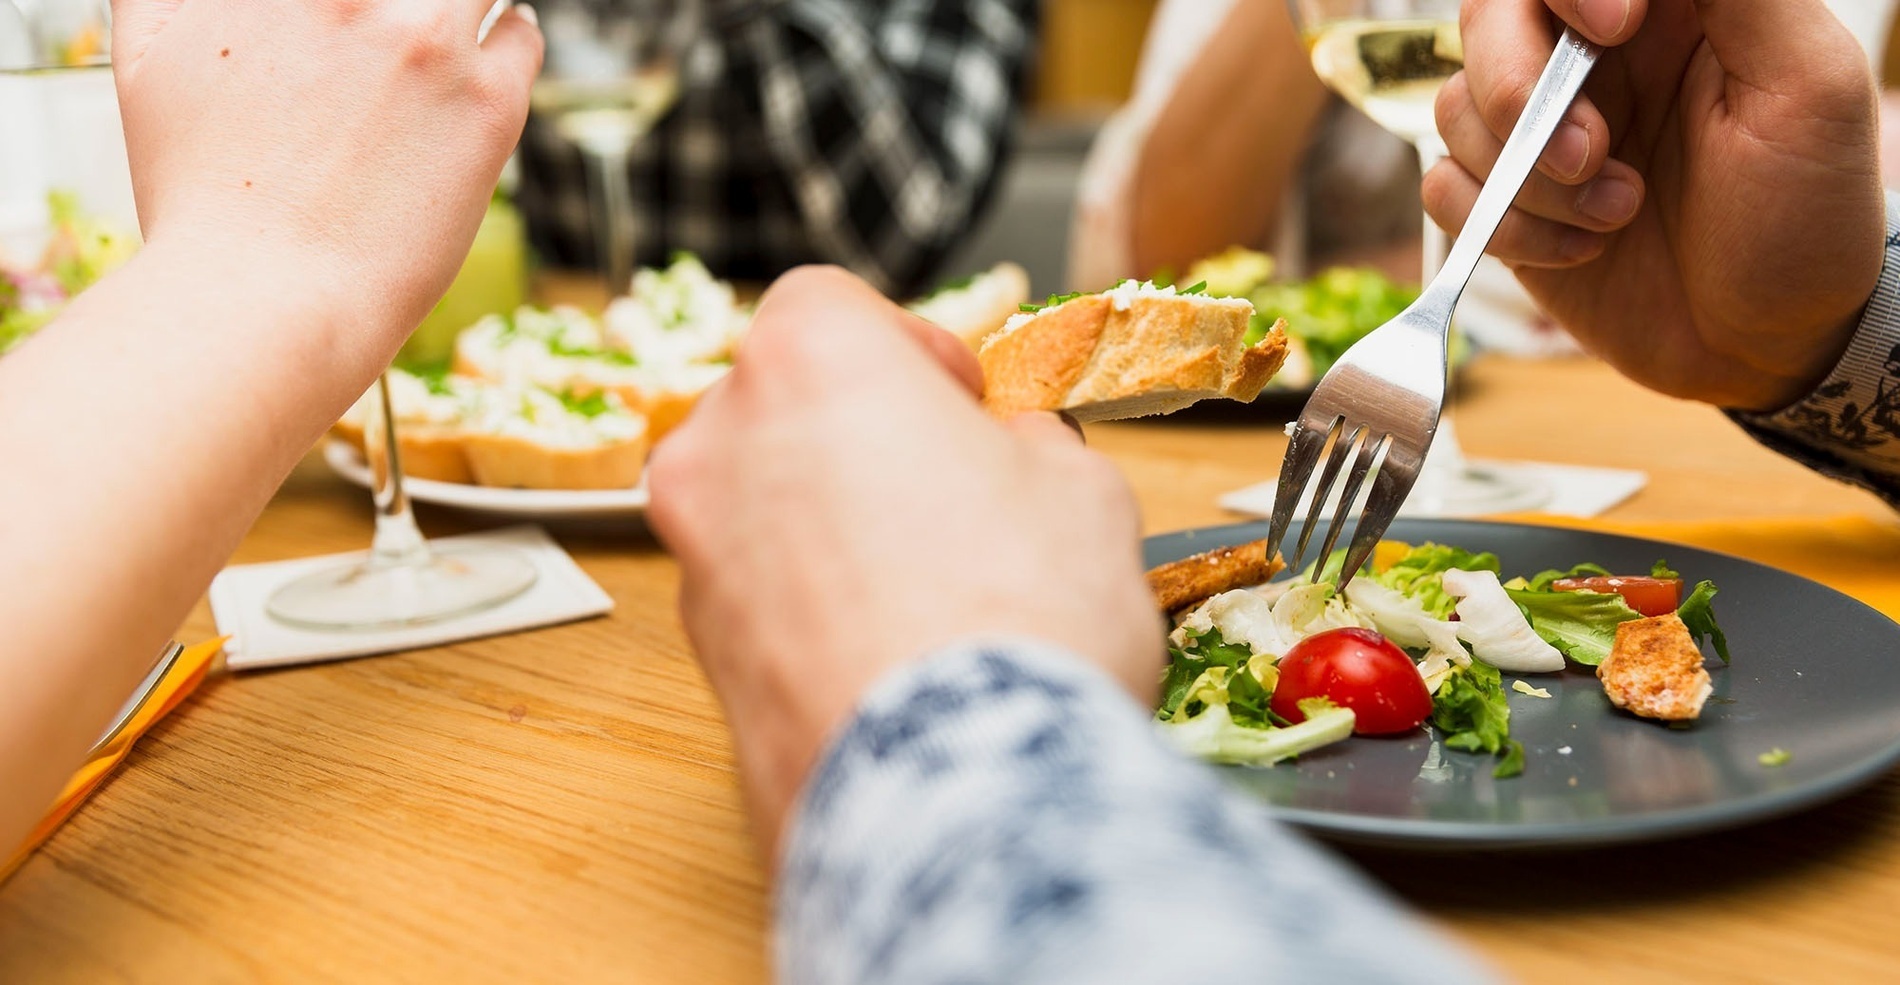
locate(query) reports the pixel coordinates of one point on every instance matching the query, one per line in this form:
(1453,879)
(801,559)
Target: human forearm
(1226,149)
(126,492)
(1004,813)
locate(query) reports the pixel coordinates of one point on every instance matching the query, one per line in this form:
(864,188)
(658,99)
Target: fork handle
(1563,77)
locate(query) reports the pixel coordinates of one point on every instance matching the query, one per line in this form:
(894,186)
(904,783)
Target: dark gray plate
(1815,673)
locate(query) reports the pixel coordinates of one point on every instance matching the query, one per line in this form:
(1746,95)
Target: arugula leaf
(1661,569)
(1187,664)
(1417,574)
(1470,709)
(1247,700)
(1698,613)
(1541,581)
(1581,625)
(1183,670)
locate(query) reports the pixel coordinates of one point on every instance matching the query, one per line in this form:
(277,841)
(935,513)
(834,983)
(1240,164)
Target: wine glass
(612,71)
(404,581)
(1388,58)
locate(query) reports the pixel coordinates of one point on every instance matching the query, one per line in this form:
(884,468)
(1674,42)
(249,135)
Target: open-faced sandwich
(526,437)
(429,413)
(1130,351)
(657,349)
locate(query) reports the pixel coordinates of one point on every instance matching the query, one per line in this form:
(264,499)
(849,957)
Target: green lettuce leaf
(1581,625)
(1698,613)
(1661,569)
(1416,575)
(1213,735)
(1471,711)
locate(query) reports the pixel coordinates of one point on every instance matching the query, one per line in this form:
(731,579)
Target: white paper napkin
(561,592)
(1574,490)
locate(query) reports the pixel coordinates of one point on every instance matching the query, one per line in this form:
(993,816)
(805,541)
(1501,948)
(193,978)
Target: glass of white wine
(1389,58)
(612,71)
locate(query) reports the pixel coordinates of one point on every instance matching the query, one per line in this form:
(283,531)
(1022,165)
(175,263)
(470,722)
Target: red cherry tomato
(1649,596)
(1357,669)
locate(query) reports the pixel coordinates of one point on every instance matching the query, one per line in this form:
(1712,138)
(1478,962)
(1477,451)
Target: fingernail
(1610,201)
(1604,18)
(527,14)
(1569,150)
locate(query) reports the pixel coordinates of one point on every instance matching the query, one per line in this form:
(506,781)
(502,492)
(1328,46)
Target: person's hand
(840,505)
(1712,224)
(350,144)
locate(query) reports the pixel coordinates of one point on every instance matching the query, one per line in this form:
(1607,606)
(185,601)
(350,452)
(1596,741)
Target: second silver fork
(1378,407)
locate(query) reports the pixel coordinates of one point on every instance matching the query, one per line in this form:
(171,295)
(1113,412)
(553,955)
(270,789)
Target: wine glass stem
(1433,243)
(398,540)
(613,235)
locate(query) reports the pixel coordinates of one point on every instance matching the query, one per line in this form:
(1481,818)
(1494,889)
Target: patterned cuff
(1002,812)
(1849,427)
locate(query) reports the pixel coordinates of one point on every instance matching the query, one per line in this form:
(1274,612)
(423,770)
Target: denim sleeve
(1849,427)
(1004,813)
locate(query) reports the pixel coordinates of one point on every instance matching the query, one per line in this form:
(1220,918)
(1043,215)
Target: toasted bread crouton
(1179,584)
(1655,670)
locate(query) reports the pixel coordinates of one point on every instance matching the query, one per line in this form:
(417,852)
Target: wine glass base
(372,595)
(1476,490)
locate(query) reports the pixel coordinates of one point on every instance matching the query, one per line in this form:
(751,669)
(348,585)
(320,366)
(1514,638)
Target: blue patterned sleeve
(1004,813)
(1849,427)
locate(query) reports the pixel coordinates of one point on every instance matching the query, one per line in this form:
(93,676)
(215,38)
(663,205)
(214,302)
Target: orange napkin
(172,689)
(1853,554)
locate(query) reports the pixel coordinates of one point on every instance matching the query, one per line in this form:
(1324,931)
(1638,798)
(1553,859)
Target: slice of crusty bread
(1655,670)
(509,461)
(1179,584)
(974,311)
(1101,357)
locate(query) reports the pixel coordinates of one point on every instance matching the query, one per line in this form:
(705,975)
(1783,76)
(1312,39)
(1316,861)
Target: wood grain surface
(562,806)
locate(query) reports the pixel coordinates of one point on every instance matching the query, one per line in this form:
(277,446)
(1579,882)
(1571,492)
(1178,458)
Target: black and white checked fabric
(1849,427)
(857,132)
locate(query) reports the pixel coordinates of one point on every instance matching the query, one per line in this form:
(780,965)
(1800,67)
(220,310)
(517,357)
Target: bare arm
(309,178)
(1220,159)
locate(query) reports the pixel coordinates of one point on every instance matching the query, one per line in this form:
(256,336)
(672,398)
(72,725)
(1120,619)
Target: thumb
(1782,46)
(1041,427)
(134,24)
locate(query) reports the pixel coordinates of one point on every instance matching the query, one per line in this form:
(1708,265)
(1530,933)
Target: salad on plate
(1425,636)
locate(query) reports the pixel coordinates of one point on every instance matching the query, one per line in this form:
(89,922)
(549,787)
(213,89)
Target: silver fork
(1379,405)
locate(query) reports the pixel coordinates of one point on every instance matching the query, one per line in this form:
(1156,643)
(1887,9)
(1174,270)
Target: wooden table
(562,806)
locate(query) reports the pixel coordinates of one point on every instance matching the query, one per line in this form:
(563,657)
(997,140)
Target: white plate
(348,463)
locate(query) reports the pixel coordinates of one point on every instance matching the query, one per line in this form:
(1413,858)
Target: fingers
(1606,198)
(1522,239)
(1045,428)
(949,351)
(1512,40)
(842,314)
(1603,21)
(515,44)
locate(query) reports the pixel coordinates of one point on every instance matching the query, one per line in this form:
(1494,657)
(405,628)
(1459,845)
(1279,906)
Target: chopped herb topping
(1198,288)
(591,405)
(1775,757)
